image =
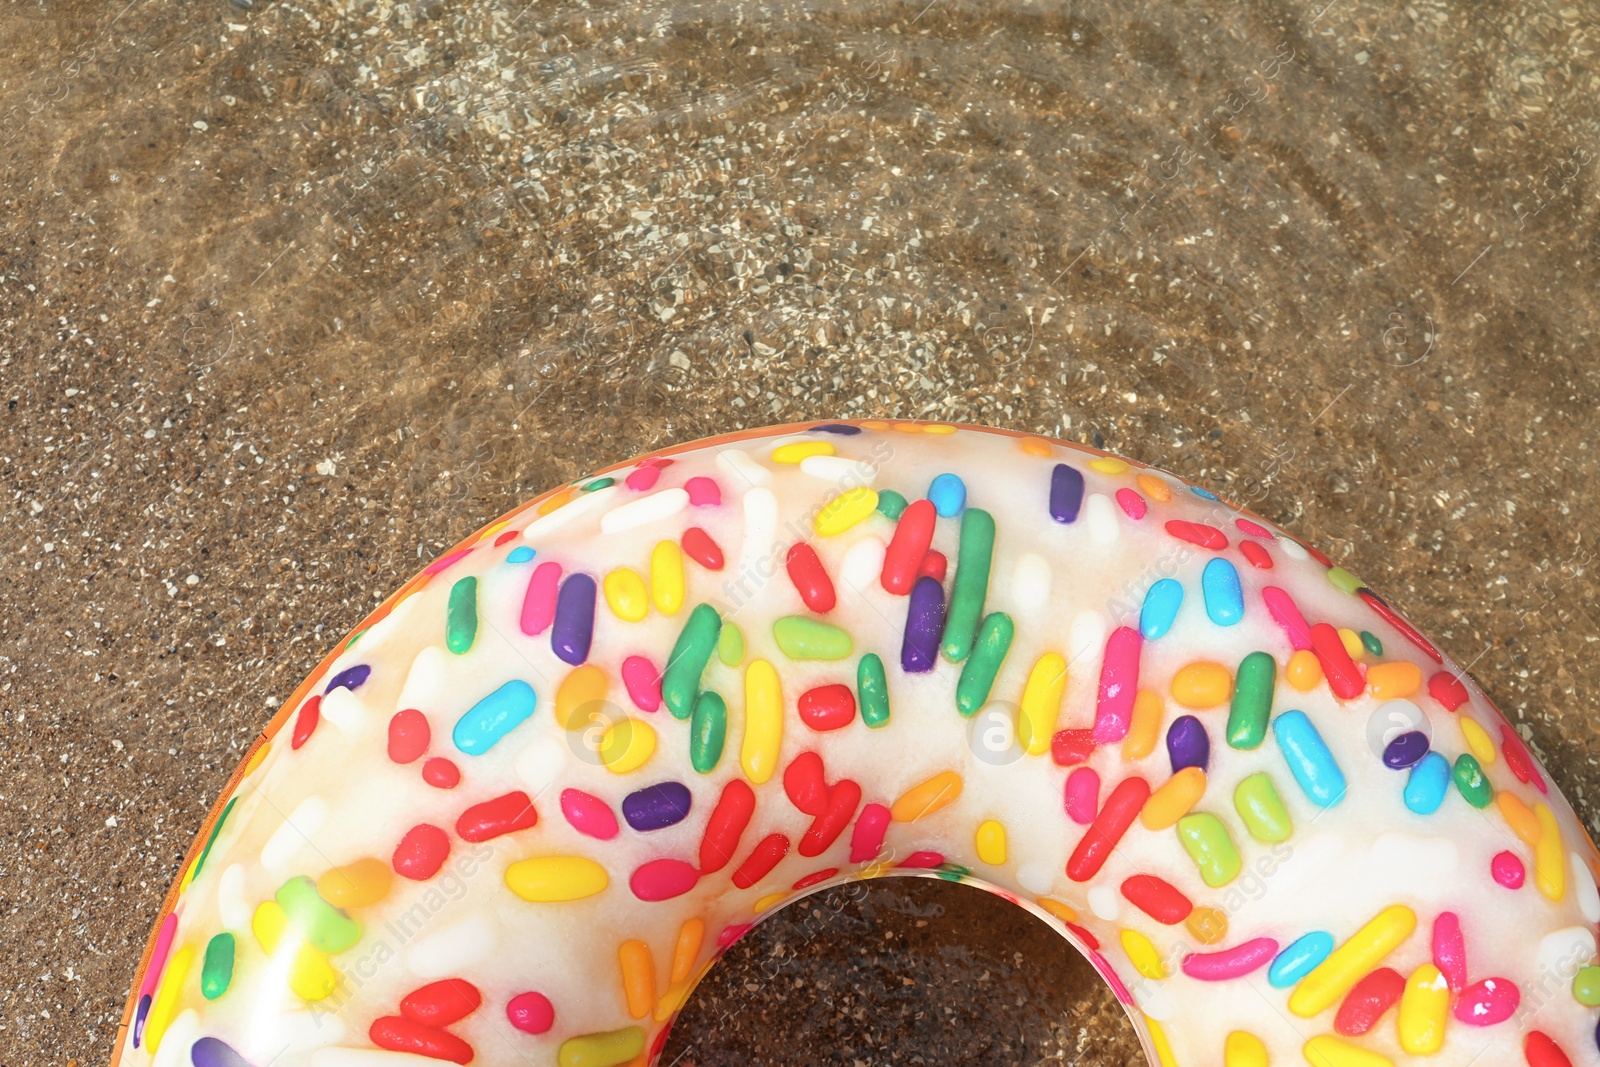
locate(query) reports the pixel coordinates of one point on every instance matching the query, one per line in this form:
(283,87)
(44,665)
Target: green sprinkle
(216,973)
(599,483)
(1471,781)
(1208,844)
(1344,581)
(802,638)
(354,638)
(730,645)
(461,621)
(680,682)
(978,673)
(891,504)
(215,830)
(1252,700)
(872,690)
(1370,642)
(952,872)
(1259,805)
(1586,986)
(325,927)
(708,731)
(971,583)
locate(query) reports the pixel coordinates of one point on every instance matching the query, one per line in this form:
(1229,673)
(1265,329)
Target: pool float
(516,815)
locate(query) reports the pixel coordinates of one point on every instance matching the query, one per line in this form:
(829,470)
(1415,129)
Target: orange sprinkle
(638,977)
(690,934)
(1390,681)
(1154,487)
(1035,446)
(1058,909)
(580,693)
(1208,925)
(927,798)
(355,885)
(1304,671)
(1522,819)
(1145,727)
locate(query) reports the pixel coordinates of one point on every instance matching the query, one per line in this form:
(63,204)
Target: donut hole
(902,970)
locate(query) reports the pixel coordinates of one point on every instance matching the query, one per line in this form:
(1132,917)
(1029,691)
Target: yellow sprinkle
(1423,1006)
(1158,1038)
(165,1007)
(1549,858)
(356,885)
(926,798)
(268,924)
(991,843)
(311,977)
(1477,739)
(684,953)
(1154,487)
(1244,1050)
(626,595)
(560,497)
(490,530)
(1145,727)
(1325,1050)
(255,759)
(1035,446)
(795,451)
(666,577)
(1352,642)
(1304,671)
(1348,963)
(554,879)
(1208,925)
(1142,954)
(1109,465)
(763,721)
(1041,702)
(939,428)
(1523,822)
(1202,685)
(638,977)
(1058,909)
(627,745)
(875,424)
(581,693)
(1176,797)
(771,900)
(1391,681)
(672,1001)
(845,510)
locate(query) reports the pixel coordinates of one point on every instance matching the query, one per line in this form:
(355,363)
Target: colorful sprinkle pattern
(517,815)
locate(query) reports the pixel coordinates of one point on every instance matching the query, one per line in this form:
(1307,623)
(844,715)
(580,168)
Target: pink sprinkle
(642,478)
(158,958)
(1450,950)
(1083,795)
(444,561)
(1287,615)
(922,860)
(1234,962)
(1253,529)
(866,840)
(703,492)
(588,814)
(1490,1001)
(732,933)
(1103,966)
(1119,681)
(1508,870)
(643,682)
(663,879)
(539,605)
(1133,504)
(532,1013)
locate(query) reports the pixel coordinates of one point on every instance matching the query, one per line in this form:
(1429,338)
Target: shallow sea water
(294,295)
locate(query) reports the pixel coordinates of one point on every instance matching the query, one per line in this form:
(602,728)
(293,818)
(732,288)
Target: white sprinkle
(583,506)
(1030,582)
(345,710)
(740,465)
(1105,902)
(233,907)
(1101,518)
(368,1057)
(862,564)
(1563,952)
(455,948)
(296,1032)
(838,470)
(644,511)
(1584,887)
(1036,878)
(294,834)
(760,533)
(1293,549)
(179,1039)
(425,681)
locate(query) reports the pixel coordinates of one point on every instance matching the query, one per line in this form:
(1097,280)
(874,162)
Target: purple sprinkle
(1066,493)
(349,678)
(836,427)
(1405,750)
(573,629)
(139,1018)
(209,1052)
(924,626)
(656,807)
(1187,744)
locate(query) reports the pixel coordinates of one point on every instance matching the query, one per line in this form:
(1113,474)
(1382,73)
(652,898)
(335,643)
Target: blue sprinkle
(1066,492)
(1188,744)
(1224,599)
(1309,760)
(1161,603)
(1299,959)
(496,715)
(1405,750)
(836,427)
(1197,491)
(655,807)
(139,1019)
(520,554)
(949,495)
(210,1052)
(349,678)
(1427,784)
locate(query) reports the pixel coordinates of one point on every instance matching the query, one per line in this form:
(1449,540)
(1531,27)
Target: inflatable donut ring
(516,815)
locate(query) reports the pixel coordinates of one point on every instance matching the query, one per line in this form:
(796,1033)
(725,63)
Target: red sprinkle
(409,735)
(866,840)
(402,1035)
(1100,840)
(922,861)
(1317,555)
(531,1013)
(765,856)
(1543,1052)
(421,852)
(1254,529)
(441,1003)
(1256,555)
(913,534)
(663,879)
(828,707)
(1508,870)
(934,565)
(1520,760)
(441,773)
(703,492)
(1132,503)
(1091,942)
(728,821)
(305,722)
(805,785)
(1367,1000)
(1392,617)
(1337,666)
(1197,533)
(1448,690)
(493,818)
(1157,898)
(1450,950)
(588,814)
(698,546)
(812,879)
(505,536)
(1070,747)
(825,829)
(810,578)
